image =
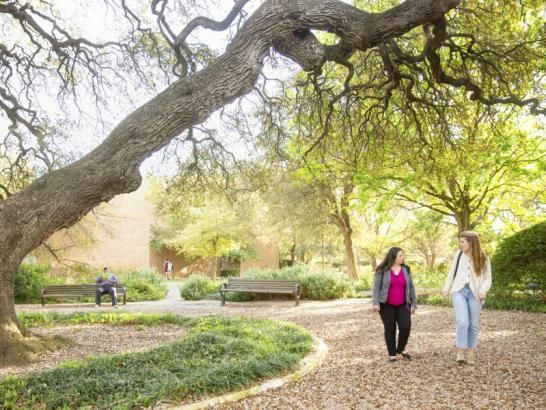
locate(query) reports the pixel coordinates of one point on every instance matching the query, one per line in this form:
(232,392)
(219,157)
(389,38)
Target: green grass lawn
(217,355)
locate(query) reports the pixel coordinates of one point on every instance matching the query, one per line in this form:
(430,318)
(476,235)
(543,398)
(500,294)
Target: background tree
(489,161)
(212,231)
(428,235)
(298,219)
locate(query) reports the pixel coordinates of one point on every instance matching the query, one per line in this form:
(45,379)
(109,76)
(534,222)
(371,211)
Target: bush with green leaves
(29,280)
(425,278)
(363,283)
(286,273)
(197,286)
(142,284)
(520,302)
(324,286)
(49,319)
(521,259)
(218,354)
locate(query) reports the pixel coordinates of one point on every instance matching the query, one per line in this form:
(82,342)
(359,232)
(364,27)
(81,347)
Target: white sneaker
(97,306)
(471,357)
(461,357)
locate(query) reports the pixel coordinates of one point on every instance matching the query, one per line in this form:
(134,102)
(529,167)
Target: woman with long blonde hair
(468,282)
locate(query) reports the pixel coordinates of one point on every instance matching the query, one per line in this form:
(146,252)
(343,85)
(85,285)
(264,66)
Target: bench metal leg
(223,298)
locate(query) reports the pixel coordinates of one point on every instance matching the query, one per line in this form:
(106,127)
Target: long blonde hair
(478,255)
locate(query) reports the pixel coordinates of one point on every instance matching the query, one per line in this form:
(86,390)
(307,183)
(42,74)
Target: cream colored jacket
(466,274)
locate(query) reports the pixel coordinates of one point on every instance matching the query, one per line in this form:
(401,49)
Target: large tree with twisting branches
(63,192)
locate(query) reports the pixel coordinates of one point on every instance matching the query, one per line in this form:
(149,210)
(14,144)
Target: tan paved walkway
(510,372)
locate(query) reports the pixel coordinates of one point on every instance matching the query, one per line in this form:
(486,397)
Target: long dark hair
(390,257)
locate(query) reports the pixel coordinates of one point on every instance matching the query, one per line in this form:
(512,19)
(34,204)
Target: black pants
(392,316)
(106,291)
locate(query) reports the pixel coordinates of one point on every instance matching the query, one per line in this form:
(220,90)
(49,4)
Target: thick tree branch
(28,217)
(436,39)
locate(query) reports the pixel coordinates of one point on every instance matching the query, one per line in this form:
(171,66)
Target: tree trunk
(463,220)
(293,254)
(432,257)
(17,344)
(373,261)
(350,257)
(342,219)
(322,253)
(62,197)
(217,268)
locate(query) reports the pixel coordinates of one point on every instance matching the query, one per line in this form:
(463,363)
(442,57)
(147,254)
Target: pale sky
(99,23)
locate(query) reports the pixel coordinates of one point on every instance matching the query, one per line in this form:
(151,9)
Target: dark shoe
(405,355)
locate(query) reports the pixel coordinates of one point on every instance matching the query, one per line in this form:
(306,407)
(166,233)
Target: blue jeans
(467,311)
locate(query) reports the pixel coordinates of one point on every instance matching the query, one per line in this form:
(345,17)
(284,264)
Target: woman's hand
(376,308)
(446,293)
(412,311)
(481,295)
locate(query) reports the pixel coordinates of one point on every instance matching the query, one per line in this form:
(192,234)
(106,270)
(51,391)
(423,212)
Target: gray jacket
(382,281)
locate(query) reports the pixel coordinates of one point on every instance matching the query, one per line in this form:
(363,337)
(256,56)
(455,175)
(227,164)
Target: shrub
(286,273)
(143,284)
(364,282)
(217,355)
(139,290)
(34,319)
(229,273)
(502,302)
(148,275)
(30,278)
(197,286)
(426,278)
(521,259)
(324,286)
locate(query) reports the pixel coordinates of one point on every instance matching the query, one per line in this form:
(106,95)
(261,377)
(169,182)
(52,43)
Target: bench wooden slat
(261,286)
(291,282)
(75,291)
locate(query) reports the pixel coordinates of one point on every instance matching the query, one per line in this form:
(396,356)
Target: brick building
(118,235)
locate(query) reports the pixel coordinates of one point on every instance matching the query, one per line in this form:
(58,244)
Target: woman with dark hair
(394,298)
(468,282)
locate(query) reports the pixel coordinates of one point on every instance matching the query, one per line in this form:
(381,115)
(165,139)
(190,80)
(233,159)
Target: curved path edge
(306,365)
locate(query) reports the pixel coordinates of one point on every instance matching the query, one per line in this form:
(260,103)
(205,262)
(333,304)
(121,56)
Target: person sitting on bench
(107,287)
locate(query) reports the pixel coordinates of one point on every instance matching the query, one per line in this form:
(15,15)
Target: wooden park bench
(289,287)
(76,291)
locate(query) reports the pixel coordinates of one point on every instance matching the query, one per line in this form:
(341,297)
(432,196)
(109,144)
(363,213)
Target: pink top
(397,289)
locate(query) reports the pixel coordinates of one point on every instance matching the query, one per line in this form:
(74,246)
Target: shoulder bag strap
(457,265)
